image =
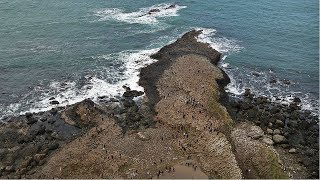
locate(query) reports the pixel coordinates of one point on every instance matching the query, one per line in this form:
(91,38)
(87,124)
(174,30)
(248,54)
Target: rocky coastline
(183,120)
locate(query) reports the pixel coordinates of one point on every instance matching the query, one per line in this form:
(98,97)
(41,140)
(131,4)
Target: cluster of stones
(286,126)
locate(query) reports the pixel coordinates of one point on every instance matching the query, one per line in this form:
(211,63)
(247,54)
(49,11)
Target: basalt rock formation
(180,123)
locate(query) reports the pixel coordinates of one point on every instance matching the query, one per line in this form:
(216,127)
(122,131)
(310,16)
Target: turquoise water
(76,49)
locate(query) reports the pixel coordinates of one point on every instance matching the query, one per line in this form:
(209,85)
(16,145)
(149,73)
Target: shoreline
(184,100)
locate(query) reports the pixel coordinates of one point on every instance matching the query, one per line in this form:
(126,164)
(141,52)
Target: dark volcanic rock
(29,115)
(54,102)
(31,120)
(25,142)
(114,100)
(297,100)
(132,93)
(294,106)
(38,130)
(153,11)
(102,97)
(53,111)
(247,92)
(53,146)
(126,88)
(128,103)
(171,6)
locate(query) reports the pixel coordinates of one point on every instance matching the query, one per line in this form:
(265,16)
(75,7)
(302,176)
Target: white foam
(221,44)
(233,87)
(141,16)
(68,93)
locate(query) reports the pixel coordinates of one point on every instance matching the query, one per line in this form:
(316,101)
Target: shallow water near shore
(73,50)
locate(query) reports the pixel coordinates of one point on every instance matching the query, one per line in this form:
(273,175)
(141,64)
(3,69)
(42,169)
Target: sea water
(77,49)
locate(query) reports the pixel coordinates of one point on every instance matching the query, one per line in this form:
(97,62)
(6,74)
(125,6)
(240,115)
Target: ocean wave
(139,17)
(222,44)
(90,86)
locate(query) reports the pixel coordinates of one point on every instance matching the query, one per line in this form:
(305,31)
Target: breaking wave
(103,82)
(141,16)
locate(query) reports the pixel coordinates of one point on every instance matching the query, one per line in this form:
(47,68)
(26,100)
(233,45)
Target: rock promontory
(181,126)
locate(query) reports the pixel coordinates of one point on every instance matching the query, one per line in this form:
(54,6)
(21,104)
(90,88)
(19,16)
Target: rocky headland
(183,126)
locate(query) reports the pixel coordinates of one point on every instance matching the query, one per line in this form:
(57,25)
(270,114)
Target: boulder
(126,88)
(38,130)
(114,100)
(29,115)
(128,103)
(43,119)
(294,106)
(276,131)
(102,97)
(267,141)
(247,92)
(279,123)
(269,131)
(132,94)
(153,11)
(292,151)
(255,132)
(296,100)
(54,102)
(54,111)
(278,139)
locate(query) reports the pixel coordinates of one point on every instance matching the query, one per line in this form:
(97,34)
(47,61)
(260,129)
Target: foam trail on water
(139,17)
